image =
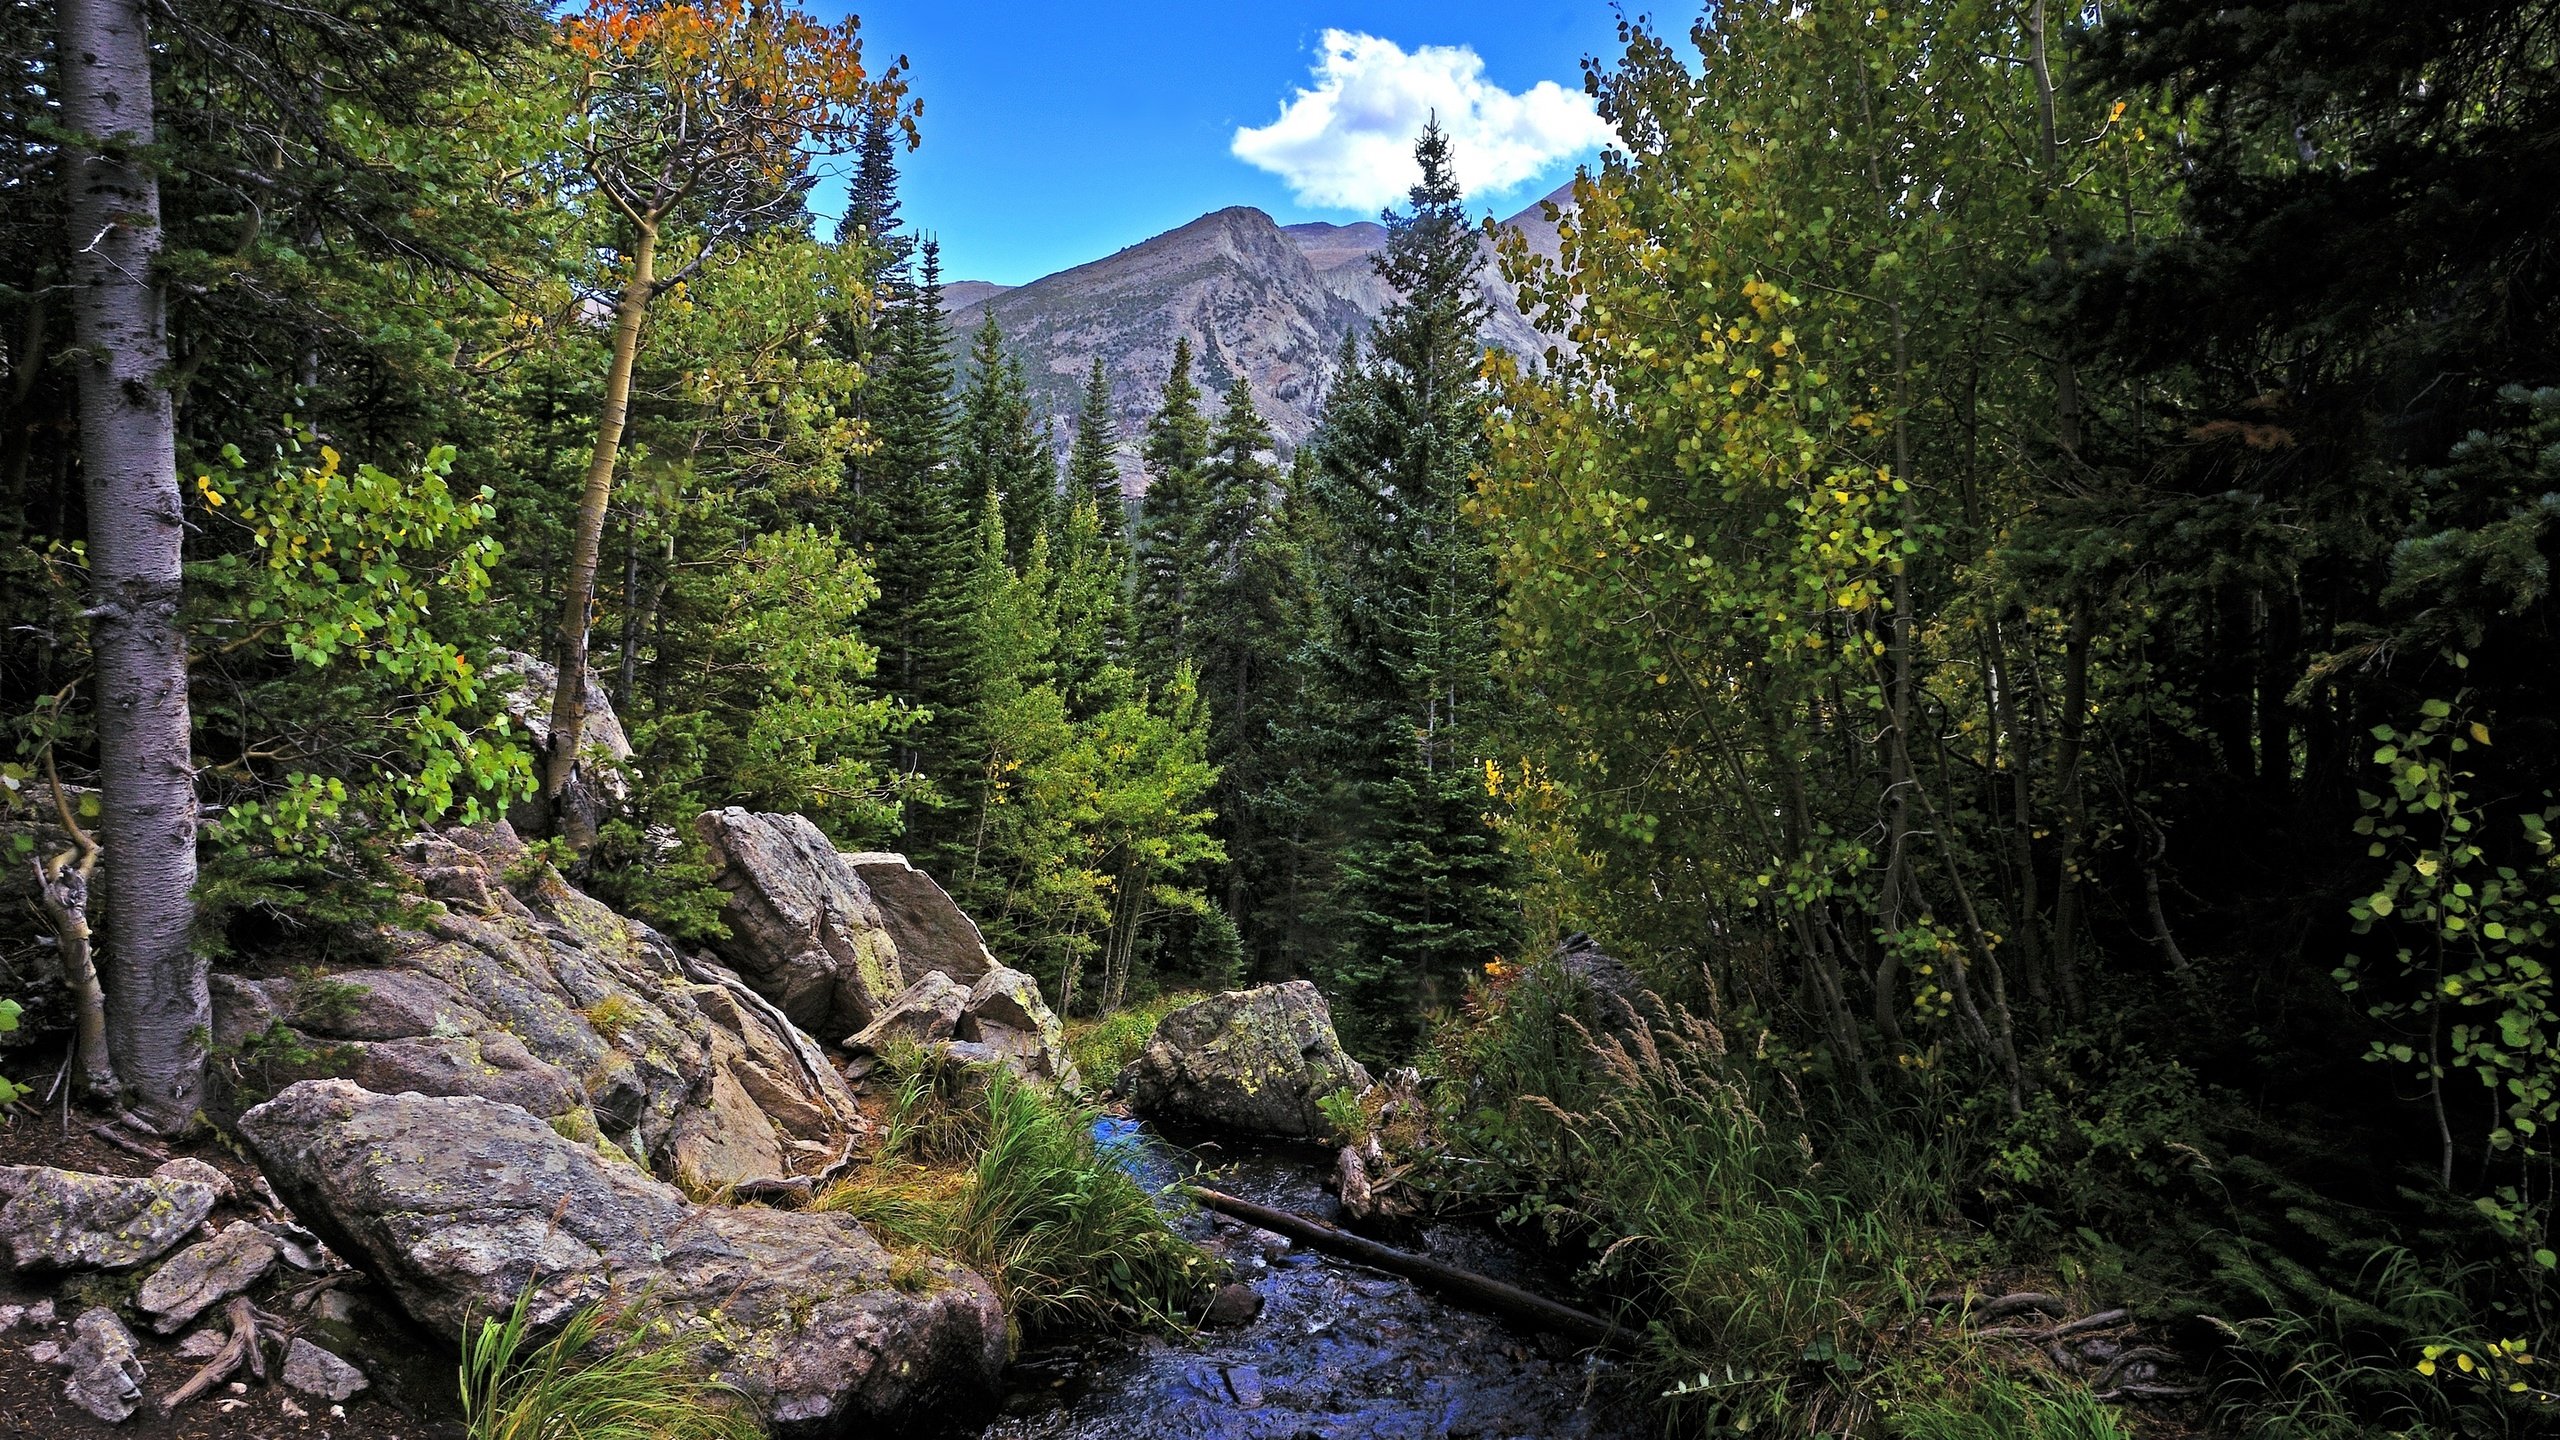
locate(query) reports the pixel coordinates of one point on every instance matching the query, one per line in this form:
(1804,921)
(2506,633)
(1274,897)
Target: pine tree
(920,549)
(871,204)
(1424,894)
(858,509)
(1249,620)
(1093,469)
(1089,580)
(1167,549)
(1001,444)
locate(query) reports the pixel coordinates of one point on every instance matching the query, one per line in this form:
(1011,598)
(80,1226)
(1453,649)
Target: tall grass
(598,1377)
(1758,1272)
(1006,1177)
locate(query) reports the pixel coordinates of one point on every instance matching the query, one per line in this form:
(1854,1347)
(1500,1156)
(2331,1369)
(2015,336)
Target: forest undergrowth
(1797,1266)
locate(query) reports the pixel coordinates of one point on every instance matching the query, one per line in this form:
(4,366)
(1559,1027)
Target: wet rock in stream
(1338,1351)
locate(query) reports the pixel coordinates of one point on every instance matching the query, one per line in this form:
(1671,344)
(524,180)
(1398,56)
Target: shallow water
(1339,1351)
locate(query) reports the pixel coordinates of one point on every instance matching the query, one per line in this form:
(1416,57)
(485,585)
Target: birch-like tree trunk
(158,1011)
(586,543)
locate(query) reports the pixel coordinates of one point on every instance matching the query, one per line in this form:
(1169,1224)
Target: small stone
(1233,1305)
(289,1408)
(188,1167)
(44,1352)
(1245,1383)
(203,1345)
(106,1369)
(315,1371)
(336,1307)
(238,1387)
(204,1275)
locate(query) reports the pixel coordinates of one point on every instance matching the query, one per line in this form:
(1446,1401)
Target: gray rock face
(932,932)
(205,1274)
(38,1316)
(518,988)
(105,1371)
(456,1204)
(924,1012)
(68,1220)
(317,1373)
(803,930)
(1252,1060)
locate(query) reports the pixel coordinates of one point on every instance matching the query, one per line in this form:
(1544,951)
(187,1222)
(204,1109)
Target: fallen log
(1480,1292)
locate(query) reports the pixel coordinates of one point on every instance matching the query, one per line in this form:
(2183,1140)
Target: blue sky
(1058,133)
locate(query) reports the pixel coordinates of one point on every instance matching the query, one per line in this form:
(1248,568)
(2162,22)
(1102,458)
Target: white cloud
(1348,142)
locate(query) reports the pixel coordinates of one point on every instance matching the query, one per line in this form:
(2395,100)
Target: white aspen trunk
(158,1011)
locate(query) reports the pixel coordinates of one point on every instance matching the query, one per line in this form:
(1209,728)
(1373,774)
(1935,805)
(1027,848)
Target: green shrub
(600,1376)
(1102,1047)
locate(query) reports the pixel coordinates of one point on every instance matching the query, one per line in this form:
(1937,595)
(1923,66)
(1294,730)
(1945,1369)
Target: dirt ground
(412,1397)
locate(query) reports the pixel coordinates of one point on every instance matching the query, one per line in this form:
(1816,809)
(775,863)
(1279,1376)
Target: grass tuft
(600,1376)
(1005,1177)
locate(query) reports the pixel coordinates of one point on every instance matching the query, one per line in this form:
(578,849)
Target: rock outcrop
(803,929)
(1614,989)
(930,929)
(319,1374)
(1001,1020)
(457,1204)
(70,1220)
(1006,1014)
(513,986)
(1252,1060)
(925,1012)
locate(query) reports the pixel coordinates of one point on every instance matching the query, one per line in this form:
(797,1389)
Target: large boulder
(1251,1060)
(71,1220)
(932,932)
(803,929)
(507,983)
(1613,987)
(457,1205)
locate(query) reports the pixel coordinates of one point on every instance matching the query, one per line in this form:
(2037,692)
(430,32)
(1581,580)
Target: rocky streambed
(1336,1351)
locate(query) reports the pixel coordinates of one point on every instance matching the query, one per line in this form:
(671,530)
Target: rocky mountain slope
(1271,303)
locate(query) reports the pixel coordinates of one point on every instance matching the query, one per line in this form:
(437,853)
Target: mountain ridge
(1271,302)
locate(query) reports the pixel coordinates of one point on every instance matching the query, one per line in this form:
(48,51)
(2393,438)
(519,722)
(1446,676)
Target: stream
(1339,1351)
